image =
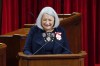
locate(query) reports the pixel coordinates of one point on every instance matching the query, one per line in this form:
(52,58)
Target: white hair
(50,11)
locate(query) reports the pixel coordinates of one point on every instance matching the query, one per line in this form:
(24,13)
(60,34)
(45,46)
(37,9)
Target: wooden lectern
(73,26)
(52,60)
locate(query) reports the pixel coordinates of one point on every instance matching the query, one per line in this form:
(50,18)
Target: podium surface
(52,59)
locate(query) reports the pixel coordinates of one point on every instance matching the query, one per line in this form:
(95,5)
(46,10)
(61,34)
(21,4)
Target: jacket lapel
(39,39)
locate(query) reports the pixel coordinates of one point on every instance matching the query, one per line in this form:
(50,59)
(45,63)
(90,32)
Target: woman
(46,37)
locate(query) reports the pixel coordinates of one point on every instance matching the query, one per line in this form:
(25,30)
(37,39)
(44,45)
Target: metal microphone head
(31,14)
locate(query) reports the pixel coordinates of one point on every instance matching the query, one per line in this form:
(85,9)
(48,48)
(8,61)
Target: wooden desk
(3,54)
(22,32)
(15,41)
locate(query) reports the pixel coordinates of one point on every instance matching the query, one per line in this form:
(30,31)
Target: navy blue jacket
(35,41)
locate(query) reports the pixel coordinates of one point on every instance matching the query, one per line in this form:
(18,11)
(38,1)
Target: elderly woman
(46,37)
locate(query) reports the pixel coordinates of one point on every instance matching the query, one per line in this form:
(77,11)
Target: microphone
(40,48)
(58,37)
(63,47)
(52,36)
(31,14)
(48,37)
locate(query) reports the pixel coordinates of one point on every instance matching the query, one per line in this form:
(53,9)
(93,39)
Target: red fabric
(9,16)
(91,30)
(97,64)
(16,13)
(97,47)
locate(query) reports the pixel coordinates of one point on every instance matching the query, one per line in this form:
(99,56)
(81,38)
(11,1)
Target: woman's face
(47,22)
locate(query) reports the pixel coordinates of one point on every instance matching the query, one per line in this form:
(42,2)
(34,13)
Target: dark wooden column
(2,54)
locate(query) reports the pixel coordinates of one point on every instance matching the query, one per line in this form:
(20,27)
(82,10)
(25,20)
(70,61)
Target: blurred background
(15,13)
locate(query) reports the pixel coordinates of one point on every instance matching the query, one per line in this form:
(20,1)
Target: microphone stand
(40,48)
